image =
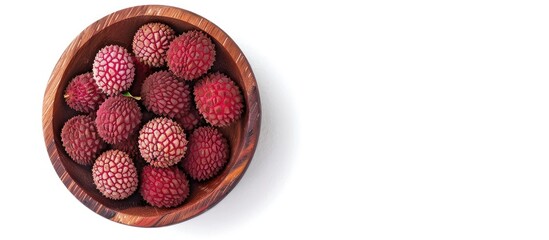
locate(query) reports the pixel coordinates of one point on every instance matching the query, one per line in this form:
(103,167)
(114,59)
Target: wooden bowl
(118,28)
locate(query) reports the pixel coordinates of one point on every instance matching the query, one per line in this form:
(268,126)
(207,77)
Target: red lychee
(162,142)
(164,187)
(218,99)
(81,140)
(191,55)
(151,42)
(190,120)
(208,153)
(165,95)
(83,95)
(117,118)
(142,71)
(114,175)
(129,145)
(113,69)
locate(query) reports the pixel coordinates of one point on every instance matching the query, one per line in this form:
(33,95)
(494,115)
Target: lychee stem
(128,94)
(66,96)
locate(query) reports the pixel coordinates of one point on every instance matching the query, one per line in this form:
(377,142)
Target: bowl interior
(203,194)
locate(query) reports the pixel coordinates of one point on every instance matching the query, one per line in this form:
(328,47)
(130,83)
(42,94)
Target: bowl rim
(250,130)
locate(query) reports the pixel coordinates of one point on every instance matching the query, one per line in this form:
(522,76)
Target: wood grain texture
(118,28)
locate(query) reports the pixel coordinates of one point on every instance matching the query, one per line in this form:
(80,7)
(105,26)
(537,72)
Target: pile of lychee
(150,118)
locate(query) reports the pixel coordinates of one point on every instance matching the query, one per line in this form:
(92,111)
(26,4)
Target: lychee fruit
(165,95)
(81,140)
(191,55)
(218,99)
(164,187)
(190,120)
(162,142)
(117,118)
(129,145)
(114,175)
(208,153)
(83,95)
(151,42)
(142,71)
(113,69)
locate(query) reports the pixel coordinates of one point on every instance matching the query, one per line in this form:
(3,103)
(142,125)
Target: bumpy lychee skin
(142,71)
(114,175)
(83,95)
(164,187)
(162,142)
(117,118)
(218,99)
(151,42)
(208,153)
(129,145)
(164,95)
(113,69)
(191,55)
(81,140)
(190,120)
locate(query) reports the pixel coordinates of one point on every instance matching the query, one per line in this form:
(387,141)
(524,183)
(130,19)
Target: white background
(381,120)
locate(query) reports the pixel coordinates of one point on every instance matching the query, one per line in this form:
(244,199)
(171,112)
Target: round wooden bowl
(118,28)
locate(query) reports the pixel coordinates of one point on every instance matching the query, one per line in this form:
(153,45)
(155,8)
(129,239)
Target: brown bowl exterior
(118,28)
